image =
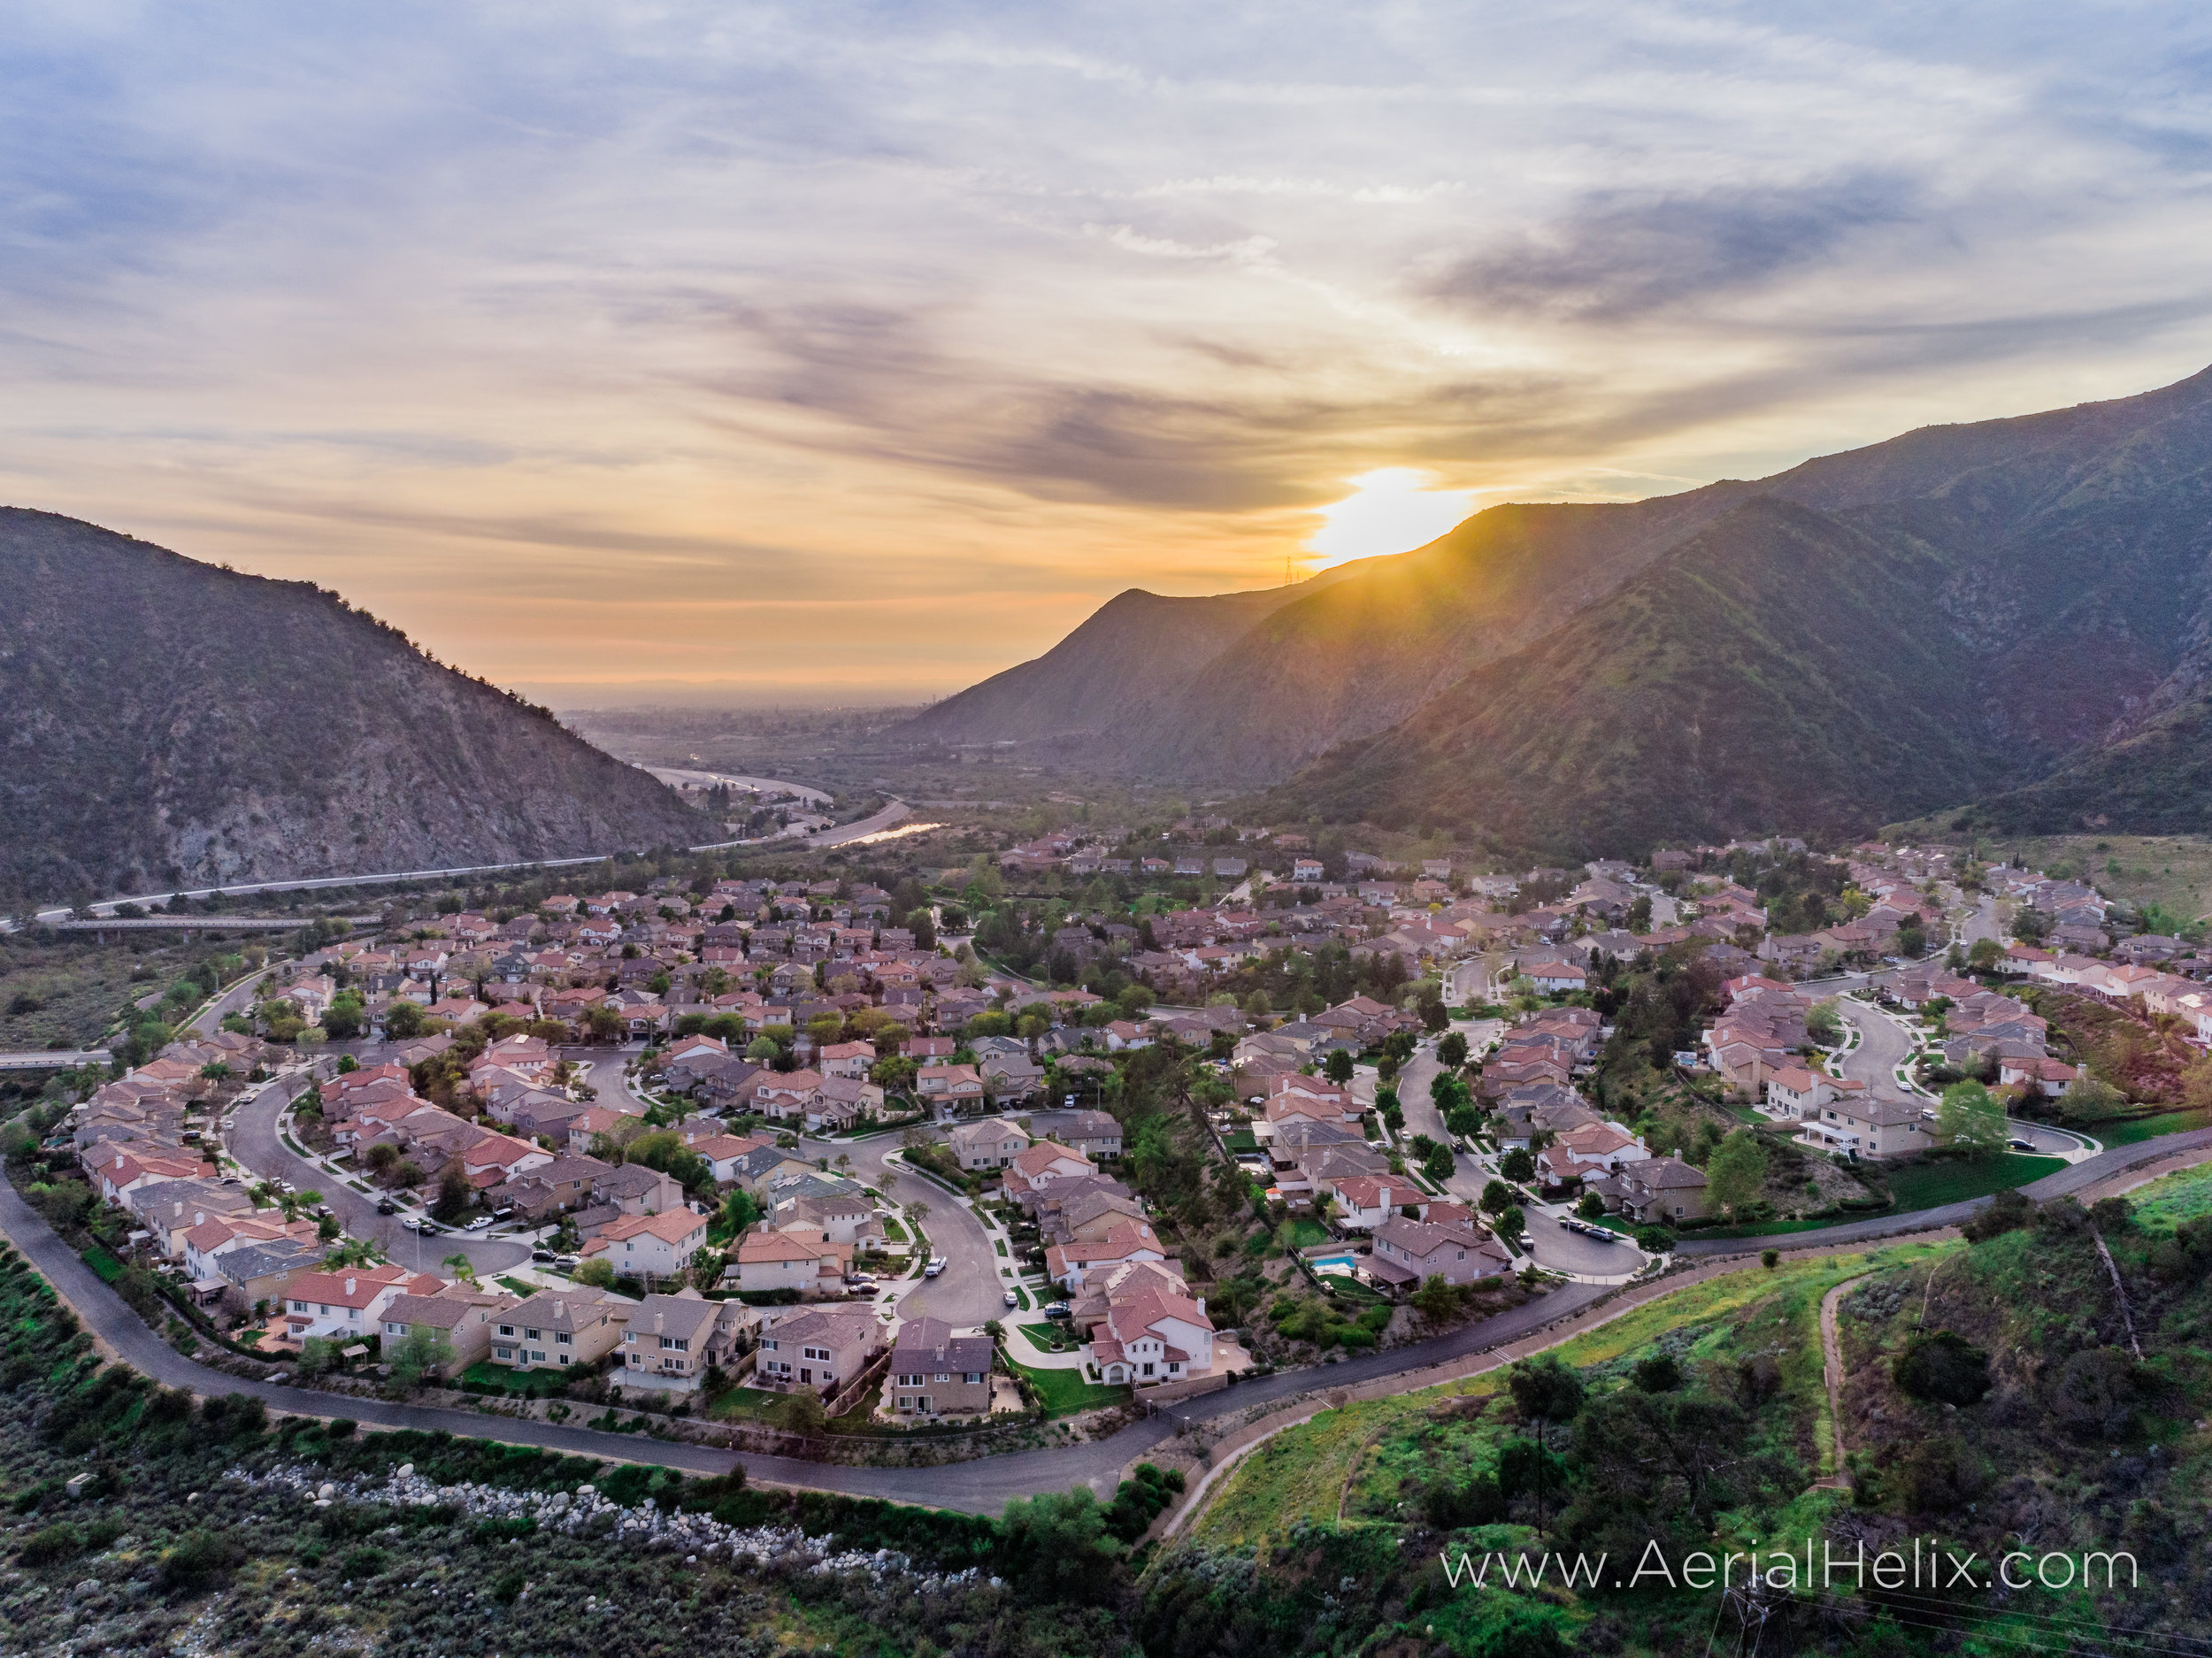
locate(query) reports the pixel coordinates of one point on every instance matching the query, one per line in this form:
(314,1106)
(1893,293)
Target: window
(506,1329)
(972,1378)
(506,1354)
(561,1337)
(538,1357)
(1148,1369)
(944,1376)
(675,1344)
(299,1307)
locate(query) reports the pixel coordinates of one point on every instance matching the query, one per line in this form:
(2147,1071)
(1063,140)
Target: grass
(104,1262)
(1002,1246)
(1304,1233)
(2135,1130)
(2170,1200)
(750,1404)
(1915,1186)
(1065,1393)
(1303,1472)
(1050,1337)
(517,1285)
(520,1384)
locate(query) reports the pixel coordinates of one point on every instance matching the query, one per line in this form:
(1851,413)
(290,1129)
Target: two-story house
(936,1373)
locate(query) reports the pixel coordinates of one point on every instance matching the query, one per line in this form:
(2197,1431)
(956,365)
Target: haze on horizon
(850,353)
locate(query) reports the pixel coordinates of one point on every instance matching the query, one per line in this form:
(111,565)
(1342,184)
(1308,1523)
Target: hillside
(173,724)
(2038,616)
(1959,612)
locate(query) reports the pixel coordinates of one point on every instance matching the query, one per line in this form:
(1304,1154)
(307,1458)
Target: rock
(88,1586)
(75,1484)
(326,1490)
(406,1471)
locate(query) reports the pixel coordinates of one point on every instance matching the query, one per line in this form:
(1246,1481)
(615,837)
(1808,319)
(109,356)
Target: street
(1550,1245)
(1884,1044)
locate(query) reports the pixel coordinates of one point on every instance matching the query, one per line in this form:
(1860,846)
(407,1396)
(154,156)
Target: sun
(1389,510)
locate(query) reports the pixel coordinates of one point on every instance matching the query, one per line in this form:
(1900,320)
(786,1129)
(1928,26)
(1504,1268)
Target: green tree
(803,1411)
(739,1212)
(1518,1164)
(1736,1173)
(1970,1118)
(1438,1164)
(455,1193)
(1451,1049)
(1511,1222)
(1495,1197)
(1436,1301)
(1057,1547)
(1547,1393)
(421,1353)
(403,1019)
(1823,1024)
(597,1273)
(1338,1066)
(1984,955)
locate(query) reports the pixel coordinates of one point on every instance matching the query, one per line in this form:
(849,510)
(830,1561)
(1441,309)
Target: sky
(626,353)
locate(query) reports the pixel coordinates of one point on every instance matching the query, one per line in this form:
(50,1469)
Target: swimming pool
(1337,1266)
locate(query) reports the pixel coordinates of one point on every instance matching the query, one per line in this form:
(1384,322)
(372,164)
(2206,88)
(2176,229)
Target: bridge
(53,1059)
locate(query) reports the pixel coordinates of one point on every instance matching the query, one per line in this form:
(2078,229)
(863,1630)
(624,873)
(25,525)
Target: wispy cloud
(987,311)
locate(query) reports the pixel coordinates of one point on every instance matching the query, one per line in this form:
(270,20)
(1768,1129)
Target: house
(2044,1076)
(1409,1253)
(1800,1092)
(212,1237)
(1661,1189)
(1864,1127)
(1031,1171)
(1152,1335)
(1592,1148)
(936,1373)
(577,1325)
(1126,1240)
(822,1348)
(651,1247)
(840,1101)
(630,1188)
(949,1089)
(846,1059)
(459,1314)
(546,1189)
(1365,1200)
(1094,1133)
(784,1093)
(726,1154)
(809,1262)
(671,1341)
(347,1304)
(991,1143)
(260,1271)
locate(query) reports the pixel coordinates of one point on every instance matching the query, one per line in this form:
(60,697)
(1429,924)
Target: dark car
(1059,1310)
(385,1206)
(546,1256)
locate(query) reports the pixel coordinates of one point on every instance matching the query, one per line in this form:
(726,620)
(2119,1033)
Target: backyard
(1064,1392)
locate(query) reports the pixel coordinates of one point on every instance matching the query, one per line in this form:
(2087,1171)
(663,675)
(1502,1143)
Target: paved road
(849,833)
(1550,1245)
(970,1290)
(252,1137)
(1885,1044)
(981,1486)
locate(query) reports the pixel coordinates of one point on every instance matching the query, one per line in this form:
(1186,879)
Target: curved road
(984,1485)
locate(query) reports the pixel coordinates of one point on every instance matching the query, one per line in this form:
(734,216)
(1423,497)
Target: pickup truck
(936,1265)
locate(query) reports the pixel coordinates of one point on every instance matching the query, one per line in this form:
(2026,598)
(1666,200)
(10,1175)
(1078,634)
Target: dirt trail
(1831,1371)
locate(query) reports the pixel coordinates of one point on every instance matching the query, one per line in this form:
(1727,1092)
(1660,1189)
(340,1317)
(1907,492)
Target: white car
(1012,1300)
(936,1265)
(478,1224)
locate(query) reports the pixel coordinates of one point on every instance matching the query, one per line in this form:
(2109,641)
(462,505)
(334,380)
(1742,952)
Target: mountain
(172,723)
(2018,610)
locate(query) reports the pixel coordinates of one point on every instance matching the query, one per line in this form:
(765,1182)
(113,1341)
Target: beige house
(651,1245)
(936,1373)
(822,1348)
(991,1143)
(1409,1253)
(558,1328)
(671,1340)
(1861,1127)
(809,1262)
(462,1314)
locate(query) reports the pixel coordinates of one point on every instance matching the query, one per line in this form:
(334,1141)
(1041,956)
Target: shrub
(50,1544)
(1942,1368)
(1770,1258)
(196,1559)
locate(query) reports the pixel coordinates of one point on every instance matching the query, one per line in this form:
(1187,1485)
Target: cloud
(995,310)
(1614,257)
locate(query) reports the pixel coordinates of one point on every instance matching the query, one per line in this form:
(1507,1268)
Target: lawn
(2135,1130)
(1067,1392)
(753,1404)
(521,1383)
(517,1285)
(1304,1233)
(1050,1337)
(1930,1185)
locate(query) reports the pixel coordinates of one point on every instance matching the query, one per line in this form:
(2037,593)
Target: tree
(1736,1173)
(402,1020)
(1057,1547)
(2087,1099)
(455,1193)
(1984,955)
(1339,1067)
(423,1352)
(1823,1024)
(1436,1301)
(1545,1391)
(382,1156)
(739,1212)
(1496,1196)
(1970,1120)
(1591,1208)
(597,1273)
(1518,1164)
(1451,1049)
(461,1267)
(1438,1164)
(803,1411)
(1511,1222)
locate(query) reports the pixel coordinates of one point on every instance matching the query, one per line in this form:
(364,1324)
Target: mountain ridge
(184,724)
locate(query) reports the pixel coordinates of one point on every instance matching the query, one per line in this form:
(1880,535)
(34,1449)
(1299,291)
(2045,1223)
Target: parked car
(504,1214)
(568,1263)
(544,1257)
(1012,1300)
(1059,1310)
(855,1280)
(385,1206)
(2021,1145)
(936,1265)
(478,1224)
(415,1223)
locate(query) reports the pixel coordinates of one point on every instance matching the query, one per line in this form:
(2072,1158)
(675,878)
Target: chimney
(349,1287)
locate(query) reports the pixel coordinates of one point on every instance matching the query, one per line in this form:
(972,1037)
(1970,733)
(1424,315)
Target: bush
(1942,1368)
(1654,1241)
(50,1544)
(196,1559)
(1770,1258)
